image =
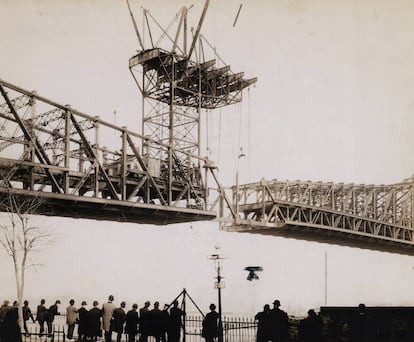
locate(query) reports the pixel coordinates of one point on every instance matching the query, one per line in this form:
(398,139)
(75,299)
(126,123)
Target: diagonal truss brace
(89,150)
(144,167)
(40,153)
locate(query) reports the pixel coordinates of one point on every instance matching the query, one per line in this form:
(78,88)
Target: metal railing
(234,329)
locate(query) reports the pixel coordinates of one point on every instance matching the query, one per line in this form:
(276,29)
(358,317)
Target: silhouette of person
(107,312)
(27,313)
(119,317)
(41,316)
(311,328)
(280,323)
(82,314)
(3,310)
(176,323)
(93,322)
(264,325)
(131,325)
(50,316)
(71,316)
(156,322)
(144,322)
(11,325)
(210,324)
(361,327)
(165,323)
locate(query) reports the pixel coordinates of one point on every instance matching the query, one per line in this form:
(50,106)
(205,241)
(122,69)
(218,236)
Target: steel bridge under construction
(80,166)
(61,160)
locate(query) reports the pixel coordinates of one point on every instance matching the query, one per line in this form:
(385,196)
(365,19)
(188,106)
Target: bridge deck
(330,236)
(73,206)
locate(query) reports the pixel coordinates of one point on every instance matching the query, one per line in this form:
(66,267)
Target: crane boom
(135,26)
(200,23)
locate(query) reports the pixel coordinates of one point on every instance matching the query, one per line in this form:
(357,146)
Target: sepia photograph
(206,170)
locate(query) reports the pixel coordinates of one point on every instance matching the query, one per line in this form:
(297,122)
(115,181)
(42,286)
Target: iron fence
(235,329)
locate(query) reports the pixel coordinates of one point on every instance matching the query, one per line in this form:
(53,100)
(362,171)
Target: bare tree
(20,238)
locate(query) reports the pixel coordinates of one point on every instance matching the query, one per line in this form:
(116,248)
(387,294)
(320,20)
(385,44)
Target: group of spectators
(161,324)
(9,326)
(106,320)
(272,324)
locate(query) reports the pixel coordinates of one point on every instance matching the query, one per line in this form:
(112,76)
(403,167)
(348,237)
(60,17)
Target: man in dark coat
(156,322)
(3,310)
(361,326)
(41,316)
(210,324)
(311,328)
(93,322)
(50,315)
(131,324)
(280,323)
(119,317)
(27,313)
(176,323)
(264,325)
(144,322)
(11,325)
(82,320)
(165,323)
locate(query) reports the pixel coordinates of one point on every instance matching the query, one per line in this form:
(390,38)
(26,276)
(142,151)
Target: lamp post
(241,155)
(219,285)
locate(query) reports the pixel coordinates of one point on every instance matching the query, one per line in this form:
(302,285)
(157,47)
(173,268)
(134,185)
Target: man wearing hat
(50,316)
(82,314)
(280,323)
(144,322)
(71,317)
(119,317)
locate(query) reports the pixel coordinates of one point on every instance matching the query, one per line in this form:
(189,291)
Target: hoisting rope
(219,140)
(207,135)
(249,146)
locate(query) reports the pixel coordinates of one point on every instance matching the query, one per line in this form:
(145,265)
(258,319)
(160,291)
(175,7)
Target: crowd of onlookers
(99,321)
(273,324)
(104,321)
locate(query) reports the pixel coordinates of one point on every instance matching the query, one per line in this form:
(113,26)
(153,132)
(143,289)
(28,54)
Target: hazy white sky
(334,102)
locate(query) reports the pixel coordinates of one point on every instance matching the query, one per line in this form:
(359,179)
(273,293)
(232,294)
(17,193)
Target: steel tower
(175,89)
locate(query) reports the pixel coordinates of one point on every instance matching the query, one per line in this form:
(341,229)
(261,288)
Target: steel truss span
(55,152)
(376,217)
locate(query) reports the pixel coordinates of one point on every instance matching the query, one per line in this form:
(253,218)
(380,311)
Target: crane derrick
(176,89)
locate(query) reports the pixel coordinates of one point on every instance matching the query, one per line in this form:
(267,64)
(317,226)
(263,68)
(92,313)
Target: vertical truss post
(124,164)
(96,150)
(171,130)
(412,206)
(67,151)
(32,156)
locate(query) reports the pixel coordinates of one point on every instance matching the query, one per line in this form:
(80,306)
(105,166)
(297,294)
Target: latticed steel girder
(198,85)
(54,151)
(369,216)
